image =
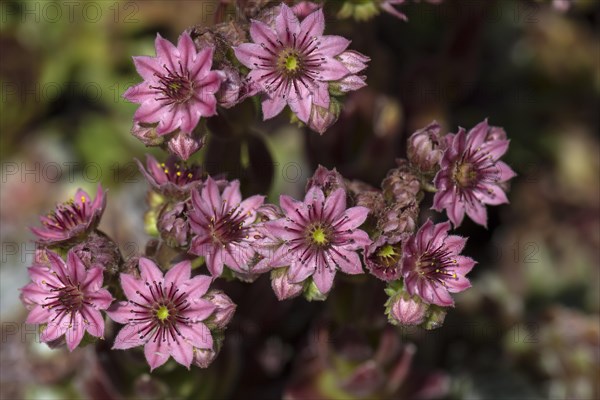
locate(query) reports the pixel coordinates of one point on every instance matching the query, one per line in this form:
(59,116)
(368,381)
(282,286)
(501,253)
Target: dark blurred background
(528,329)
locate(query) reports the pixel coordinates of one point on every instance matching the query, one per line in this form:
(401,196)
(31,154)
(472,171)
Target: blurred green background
(529,327)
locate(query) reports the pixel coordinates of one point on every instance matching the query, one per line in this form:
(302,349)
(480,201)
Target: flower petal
(179,274)
(166,52)
(301,102)
(323,278)
(352,218)
(262,33)
(456,213)
(332,70)
(286,24)
(198,335)
(200,309)
(100,299)
(93,280)
(232,195)
(250,206)
(130,336)
(335,204)
(211,195)
(214,262)
(94,322)
(477,212)
(38,315)
(347,261)
(75,332)
(133,288)
(314,24)
(33,293)
(55,329)
(182,352)
(299,271)
(187,50)
(477,135)
(149,270)
(140,94)
(120,312)
(332,45)
(272,106)
(197,286)
(492,195)
(156,352)
(149,112)
(202,63)
(503,172)
(147,67)
(251,54)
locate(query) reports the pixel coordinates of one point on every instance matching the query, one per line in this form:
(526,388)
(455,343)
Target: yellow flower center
(387,251)
(464,174)
(162,313)
(319,236)
(175,86)
(291,63)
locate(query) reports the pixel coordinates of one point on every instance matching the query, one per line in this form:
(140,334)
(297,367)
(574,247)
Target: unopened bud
(426,148)
(281,285)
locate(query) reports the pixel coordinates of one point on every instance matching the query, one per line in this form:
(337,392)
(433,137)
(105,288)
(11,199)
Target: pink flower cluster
(291,62)
(159,298)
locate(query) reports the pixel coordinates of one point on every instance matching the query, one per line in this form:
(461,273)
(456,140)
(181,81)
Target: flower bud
(426,148)
(354,61)
(401,186)
(397,220)
(406,310)
(146,133)
(327,180)
(234,88)
(312,293)
(434,318)
(98,250)
(203,357)
(281,285)
(224,311)
(184,145)
(370,198)
(172,225)
(322,118)
(304,8)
